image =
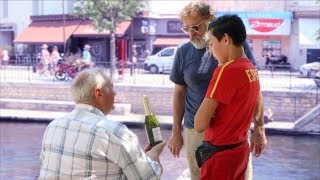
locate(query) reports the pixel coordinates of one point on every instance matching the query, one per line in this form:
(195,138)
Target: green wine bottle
(151,124)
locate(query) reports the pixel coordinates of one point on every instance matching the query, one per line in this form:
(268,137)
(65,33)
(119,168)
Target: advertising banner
(265,23)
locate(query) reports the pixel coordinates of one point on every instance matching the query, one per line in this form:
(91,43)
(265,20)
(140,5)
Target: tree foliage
(106,15)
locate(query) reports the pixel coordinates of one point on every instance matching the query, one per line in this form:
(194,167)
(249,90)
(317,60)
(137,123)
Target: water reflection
(289,157)
(286,157)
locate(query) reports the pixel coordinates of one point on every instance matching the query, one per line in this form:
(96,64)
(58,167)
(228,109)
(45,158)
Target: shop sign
(6,28)
(174,27)
(265,23)
(144,29)
(145,26)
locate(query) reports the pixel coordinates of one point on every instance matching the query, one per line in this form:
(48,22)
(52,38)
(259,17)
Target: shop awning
(86,29)
(47,32)
(169,41)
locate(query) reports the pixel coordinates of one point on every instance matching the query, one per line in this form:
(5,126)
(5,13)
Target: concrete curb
(130,120)
(47,116)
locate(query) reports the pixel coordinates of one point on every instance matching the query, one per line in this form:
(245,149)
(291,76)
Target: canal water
(285,158)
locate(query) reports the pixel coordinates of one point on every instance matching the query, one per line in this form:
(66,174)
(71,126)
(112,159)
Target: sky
(167,6)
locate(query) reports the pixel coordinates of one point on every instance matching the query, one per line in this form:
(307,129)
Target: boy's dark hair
(231,25)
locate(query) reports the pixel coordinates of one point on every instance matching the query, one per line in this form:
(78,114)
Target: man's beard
(199,42)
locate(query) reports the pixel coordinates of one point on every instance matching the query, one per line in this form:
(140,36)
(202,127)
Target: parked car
(310,69)
(162,61)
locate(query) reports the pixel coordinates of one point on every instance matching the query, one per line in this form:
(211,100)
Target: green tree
(106,15)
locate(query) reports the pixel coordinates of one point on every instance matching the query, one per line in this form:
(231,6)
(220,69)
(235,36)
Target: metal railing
(129,73)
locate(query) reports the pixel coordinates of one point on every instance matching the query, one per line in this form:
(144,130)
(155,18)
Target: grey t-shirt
(193,68)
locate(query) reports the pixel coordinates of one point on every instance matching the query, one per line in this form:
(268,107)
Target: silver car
(310,69)
(161,62)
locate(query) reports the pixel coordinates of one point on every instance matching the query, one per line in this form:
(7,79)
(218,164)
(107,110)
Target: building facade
(15,15)
(305,47)
(284,27)
(300,45)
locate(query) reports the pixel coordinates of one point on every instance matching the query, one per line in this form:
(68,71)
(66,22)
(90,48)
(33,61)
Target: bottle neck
(146,104)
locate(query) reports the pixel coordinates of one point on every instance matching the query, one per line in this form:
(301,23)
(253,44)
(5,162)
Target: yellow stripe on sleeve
(218,79)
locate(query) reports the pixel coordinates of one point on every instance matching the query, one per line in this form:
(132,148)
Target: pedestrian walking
(44,64)
(5,58)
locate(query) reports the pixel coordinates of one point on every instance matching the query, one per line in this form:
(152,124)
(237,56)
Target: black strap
(229,146)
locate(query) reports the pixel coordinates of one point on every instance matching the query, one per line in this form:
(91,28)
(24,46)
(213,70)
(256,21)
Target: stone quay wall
(286,106)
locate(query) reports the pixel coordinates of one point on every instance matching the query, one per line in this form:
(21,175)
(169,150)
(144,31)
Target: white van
(162,61)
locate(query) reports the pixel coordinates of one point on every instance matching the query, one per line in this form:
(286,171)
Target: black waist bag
(206,150)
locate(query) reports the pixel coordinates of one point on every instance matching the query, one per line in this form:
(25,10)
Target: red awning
(86,29)
(47,32)
(169,41)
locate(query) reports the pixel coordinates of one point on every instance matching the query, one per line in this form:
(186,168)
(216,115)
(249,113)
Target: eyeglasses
(195,28)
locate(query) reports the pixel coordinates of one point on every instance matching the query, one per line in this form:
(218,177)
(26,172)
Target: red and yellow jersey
(236,87)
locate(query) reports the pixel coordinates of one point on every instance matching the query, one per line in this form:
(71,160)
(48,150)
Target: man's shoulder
(185,47)
(237,67)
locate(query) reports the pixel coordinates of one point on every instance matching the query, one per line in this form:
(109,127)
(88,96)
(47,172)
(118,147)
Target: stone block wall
(286,106)
(59,92)
(160,98)
(290,105)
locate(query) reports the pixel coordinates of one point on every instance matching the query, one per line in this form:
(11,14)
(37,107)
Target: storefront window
(273,46)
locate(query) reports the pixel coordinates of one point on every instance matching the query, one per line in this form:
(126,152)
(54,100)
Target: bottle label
(156,134)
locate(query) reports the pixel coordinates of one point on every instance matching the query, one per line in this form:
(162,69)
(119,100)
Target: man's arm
(258,139)
(154,153)
(176,141)
(126,153)
(204,114)
(249,54)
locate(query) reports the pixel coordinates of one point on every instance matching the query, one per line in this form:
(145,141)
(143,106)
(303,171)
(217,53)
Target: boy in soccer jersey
(230,102)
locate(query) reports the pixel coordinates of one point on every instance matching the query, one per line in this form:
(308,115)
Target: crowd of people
(216,97)
(4,57)
(48,61)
